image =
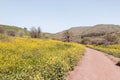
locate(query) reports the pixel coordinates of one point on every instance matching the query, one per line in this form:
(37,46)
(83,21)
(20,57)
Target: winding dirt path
(95,66)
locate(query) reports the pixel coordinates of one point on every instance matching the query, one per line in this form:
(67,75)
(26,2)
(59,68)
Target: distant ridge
(84,30)
(77,31)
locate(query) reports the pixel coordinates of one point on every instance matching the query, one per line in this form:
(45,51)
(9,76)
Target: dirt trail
(95,66)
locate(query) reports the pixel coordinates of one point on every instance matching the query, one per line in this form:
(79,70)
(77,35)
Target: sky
(57,15)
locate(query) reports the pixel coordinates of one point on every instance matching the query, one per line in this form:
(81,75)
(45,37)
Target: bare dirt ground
(95,66)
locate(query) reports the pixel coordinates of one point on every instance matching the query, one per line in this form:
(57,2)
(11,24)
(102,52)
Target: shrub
(86,40)
(93,34)
(98,41)
(20,33)
(11,33)
(111,38)
(2,30)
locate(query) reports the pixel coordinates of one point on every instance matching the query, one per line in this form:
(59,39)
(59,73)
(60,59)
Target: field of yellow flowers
(110,49)
(35,59)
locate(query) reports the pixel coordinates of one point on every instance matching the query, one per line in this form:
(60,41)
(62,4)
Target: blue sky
(56,15)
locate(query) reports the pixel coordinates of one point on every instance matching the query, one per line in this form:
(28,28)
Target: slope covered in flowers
(35,59)
(110,49)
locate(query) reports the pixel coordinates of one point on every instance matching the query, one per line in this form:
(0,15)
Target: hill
(79,32)
(15,28)
(91,31)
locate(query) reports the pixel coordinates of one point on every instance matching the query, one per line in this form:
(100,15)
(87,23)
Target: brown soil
(95,66)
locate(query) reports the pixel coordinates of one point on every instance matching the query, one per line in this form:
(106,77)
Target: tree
(25,28)
(39,32)
(67,36)
(35,32)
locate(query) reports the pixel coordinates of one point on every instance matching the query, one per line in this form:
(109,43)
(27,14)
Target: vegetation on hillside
(107,39)
(36,59)
(96,32)
(110,49)
(14,29)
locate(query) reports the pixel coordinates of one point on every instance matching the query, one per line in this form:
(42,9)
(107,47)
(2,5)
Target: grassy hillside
(100,29)
(93,32)
(35,59)
(15,28)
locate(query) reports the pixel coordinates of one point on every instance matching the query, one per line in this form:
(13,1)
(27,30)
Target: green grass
(15,28)
(109,49)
